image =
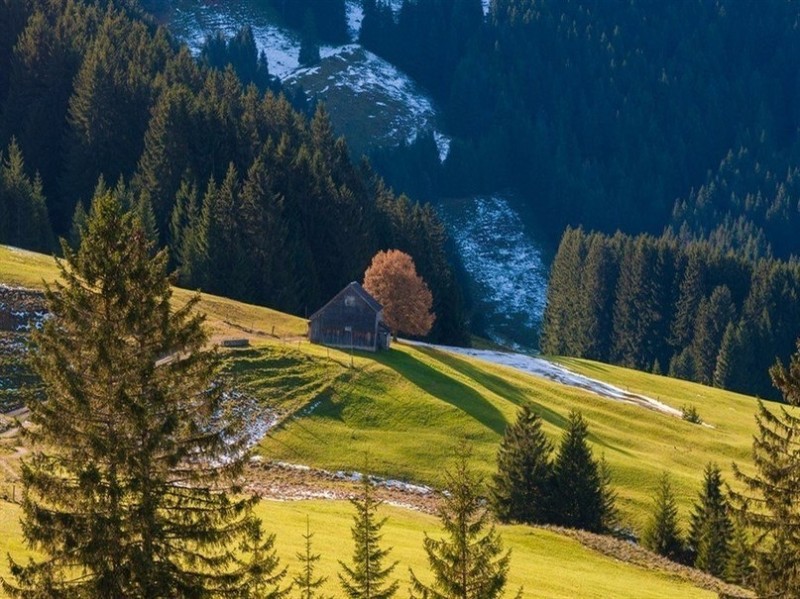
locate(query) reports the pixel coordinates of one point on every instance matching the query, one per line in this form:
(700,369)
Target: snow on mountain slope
(370,101)
(506,265)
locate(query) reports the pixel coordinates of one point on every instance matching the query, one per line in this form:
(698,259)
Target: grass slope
(539,557)
(405,411)
(225,317)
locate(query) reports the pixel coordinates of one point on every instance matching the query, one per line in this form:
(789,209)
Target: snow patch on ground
(355,15)
(355,476)
(387,98)
(550,371)
(507,269)
(193,21)
(351,76)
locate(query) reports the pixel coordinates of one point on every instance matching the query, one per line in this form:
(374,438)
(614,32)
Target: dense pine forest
(688,310)
(602,113)
(677,120)
(253,198)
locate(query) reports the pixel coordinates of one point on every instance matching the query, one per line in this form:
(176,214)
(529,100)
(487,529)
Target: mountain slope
(405,409)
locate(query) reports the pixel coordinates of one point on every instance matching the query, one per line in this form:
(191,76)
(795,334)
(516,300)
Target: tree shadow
(445,388)
(497,385)
(511,392)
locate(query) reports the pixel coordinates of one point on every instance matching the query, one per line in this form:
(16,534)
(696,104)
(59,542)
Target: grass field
(544,563)
(404,412)
(225,317)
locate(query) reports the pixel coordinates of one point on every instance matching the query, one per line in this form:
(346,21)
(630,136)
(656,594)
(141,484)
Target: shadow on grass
(492,382)
(497,385)
(444,388)
(509,391)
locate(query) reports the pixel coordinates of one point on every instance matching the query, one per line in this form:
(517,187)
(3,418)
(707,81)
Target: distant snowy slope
(506,265)
(370,101)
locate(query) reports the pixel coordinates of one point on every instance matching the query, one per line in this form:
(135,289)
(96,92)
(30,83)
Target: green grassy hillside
(539,557)
(404,411)
(225,317)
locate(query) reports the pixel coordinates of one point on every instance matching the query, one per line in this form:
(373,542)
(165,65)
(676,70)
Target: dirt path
(290,482)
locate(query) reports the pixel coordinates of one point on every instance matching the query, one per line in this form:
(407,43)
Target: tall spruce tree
(662,535)
(770,503)
(580,498)
(129,489)
(520,487)
(469,561)
(711,529)
(367,578)
(23,213)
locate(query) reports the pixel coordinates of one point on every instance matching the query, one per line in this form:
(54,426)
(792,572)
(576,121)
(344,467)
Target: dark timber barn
(352,319)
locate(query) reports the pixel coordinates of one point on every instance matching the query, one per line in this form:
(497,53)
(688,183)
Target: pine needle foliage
(711,528)
(770,503)
(581,496)
(128,491)
(367,578)
(307,583)
(260,569)
(662,535)
(739,569)
(468,562)
(520,487)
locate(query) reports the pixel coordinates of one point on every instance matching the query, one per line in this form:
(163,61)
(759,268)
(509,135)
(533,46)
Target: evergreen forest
(678,122)
(253,197)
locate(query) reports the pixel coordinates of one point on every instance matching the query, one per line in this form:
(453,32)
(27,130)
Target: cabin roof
(360,291)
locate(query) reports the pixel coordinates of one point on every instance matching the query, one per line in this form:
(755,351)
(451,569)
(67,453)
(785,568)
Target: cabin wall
(330,326)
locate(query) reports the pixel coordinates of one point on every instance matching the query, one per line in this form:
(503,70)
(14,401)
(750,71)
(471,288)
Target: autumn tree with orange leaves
(392,279)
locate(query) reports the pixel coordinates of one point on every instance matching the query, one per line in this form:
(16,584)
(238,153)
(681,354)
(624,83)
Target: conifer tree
(710,529)
(713,317)
(309,44)
(520,487)
(307,583)
(739,569)
(608,498)
(662,535)
(79,218)
(129,489)
(260,565)
(597,298)
(726,358)
(690,295)
(469,561)
(23,213)
(559,336)
(367,578)
(770,503)
(578,498)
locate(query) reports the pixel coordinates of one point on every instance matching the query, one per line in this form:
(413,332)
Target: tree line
(251,197)
(133,485)
(687,309)
(602,113)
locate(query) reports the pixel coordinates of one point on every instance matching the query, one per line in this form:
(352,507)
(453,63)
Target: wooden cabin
(352,319)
